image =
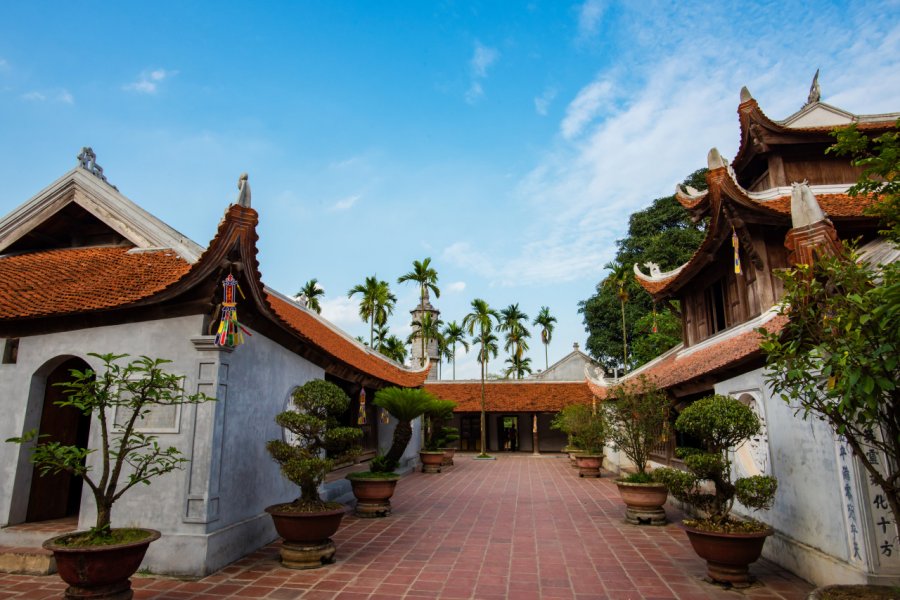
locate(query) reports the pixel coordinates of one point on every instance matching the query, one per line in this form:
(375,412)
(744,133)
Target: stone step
(26,561)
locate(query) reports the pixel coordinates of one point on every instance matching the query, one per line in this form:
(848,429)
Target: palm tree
(404,404)
(428,328)
(376,303)
(546,321)
(487,351)
(312,290)
(394,348)
(516,333)
(427,277)
(518,366)
(381,335)
(479,322)
(616,281)
(454,334)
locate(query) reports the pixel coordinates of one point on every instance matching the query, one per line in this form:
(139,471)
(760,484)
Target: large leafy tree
(427,327)
(311,290)
(426,277)
(480,323)
(545,321)
(454,334)
(376,303)
(838,356)
(518,366)
(394,348)
(662,233)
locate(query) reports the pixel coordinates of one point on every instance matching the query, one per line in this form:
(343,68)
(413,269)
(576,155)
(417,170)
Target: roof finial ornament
(815,92)
(87,160)
(805,209)
(244,194)
(745,94)
(714,160)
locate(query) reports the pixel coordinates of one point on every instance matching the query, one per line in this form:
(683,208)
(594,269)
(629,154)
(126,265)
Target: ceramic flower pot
(99,572)
(448,456)
(307,535)
(589,464)
(373,494)
(728,555)
(431,461)
(643,502)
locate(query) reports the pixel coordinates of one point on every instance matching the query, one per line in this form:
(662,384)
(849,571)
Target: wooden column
(534,434)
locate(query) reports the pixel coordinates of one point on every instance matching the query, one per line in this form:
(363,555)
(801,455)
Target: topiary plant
(721,423)
(404,404)
(316,428)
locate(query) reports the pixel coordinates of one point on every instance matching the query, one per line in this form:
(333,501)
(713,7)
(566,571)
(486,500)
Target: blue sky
(508,141)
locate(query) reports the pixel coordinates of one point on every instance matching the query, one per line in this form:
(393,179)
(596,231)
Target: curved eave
(234,249)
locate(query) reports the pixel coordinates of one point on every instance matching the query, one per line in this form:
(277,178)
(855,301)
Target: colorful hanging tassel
(361,419)
(230,331)
(737,257)
(385,417)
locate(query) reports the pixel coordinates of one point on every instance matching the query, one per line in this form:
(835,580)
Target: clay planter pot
(589,464)
(644,502)
(307,536)
(373,495)
(728,555)
(448,456)
(431,461)
(99,572)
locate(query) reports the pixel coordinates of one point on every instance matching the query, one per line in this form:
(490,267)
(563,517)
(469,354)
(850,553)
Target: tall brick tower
(431,348)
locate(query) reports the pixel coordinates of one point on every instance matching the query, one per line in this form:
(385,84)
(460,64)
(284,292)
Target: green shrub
(721,423)
(638,417)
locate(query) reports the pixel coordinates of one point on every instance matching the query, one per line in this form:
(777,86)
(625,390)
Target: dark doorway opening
(508,433)
(470,433)
(54,496)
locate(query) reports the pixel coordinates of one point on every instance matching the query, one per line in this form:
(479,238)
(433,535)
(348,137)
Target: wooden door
(54,496)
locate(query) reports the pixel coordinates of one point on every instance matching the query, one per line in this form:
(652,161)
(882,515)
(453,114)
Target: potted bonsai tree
(727,544)
(638,418)
(307,523)
(434,455)
(567,421)
(586,427)
(374,489)
(99,562)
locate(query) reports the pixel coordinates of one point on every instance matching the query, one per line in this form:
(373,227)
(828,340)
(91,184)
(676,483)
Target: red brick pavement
(518,528)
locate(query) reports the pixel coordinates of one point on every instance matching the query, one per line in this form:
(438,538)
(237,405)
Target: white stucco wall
(811,536)
(211,512)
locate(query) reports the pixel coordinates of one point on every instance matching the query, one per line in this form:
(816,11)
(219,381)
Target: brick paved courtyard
(517,528)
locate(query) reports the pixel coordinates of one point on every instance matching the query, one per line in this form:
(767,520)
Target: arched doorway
(54,496)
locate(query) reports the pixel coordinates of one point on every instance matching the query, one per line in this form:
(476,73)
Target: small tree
(404,404)
(437,434)
(638,418)
(320,440)
(126,393)
(720,423)
(585,427)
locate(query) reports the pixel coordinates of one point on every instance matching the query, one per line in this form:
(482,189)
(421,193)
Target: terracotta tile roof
(512,396)
(75,280)
(348,351)
(597,390)
(686,365)
(834,205)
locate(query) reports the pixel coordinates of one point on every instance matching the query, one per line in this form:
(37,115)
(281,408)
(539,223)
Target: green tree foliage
(376,303)
(662,233)
(545,321)
(320,440)
(454,334)
(513,322)
(128,456)
(585,427)
(480,323)
(721,423)
(638,414)
(311,290)
(437,433)
(404,404)
(394,348)
(654,333)
(426,277)
(838,357)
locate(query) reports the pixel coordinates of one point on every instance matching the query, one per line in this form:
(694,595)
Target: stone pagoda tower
(431,348)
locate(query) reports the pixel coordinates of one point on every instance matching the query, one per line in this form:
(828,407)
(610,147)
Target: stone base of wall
(201,554)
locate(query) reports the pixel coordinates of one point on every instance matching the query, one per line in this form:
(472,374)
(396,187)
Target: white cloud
(62,95)
(483,58)
(587,105)
(456,287)
(148,82)
(589,16)
(340,310)
(345,203)
(542,102)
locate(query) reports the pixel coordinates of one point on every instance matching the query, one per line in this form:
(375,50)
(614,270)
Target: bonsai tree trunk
(402,435)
